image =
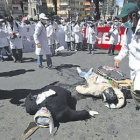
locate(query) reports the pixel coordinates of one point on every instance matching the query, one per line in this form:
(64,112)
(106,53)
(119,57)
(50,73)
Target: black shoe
(20,61)
(40,67)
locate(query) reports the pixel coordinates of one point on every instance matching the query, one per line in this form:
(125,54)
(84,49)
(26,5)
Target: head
(109,96)
(43,118)
(129,15)
(1,20)
(43,19)
(10,19)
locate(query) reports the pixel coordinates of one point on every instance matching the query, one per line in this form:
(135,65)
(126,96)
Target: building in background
(109,9)
(68,8)
(89,8)
(19,8)
(2,7)
(35,7)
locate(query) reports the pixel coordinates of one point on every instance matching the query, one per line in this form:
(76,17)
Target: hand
(92,113)
(116,63)
(39,45)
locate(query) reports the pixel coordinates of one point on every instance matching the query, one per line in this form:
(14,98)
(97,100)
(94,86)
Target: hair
(110,95)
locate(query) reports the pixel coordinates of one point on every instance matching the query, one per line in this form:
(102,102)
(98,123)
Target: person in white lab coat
(131,46)
(114,34)
(91,37)
(67,30)
(72,35)
(42,47)
(50,36)
(4,44)
(15,40)
(78,36)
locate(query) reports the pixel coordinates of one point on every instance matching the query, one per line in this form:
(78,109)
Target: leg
(135,96)
(49,61)
(1,56)
(76,46)
(14,55)
(20,55)
(69,47)
(113,48)
(8,52)
(110,48)
(39,61)
(92,48)
(72,45)
(80,46)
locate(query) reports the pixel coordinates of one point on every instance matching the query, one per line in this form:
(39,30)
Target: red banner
(102,32)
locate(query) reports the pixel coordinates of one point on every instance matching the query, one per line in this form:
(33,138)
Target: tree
(55,6)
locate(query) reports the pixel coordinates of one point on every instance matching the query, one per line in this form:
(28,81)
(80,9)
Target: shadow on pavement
(17,94)
(15,72)
(65,66)
(27,60)
(65,54)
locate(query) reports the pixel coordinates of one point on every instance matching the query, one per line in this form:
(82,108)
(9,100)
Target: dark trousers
(135,96)
(17,54)
(69,46)
(112,47)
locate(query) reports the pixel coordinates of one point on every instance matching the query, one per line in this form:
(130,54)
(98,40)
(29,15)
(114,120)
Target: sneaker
(78,69)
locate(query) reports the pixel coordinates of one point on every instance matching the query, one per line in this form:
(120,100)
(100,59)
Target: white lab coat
(55,27)
(132,48)
(3,36)
(91,35)
(40,36)
(87,32)
(114,36)
(4,31)
(15,43)
(68,32)
(72,33)
(78,34)
(50,34)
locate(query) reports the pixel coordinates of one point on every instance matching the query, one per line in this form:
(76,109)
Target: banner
(102,32)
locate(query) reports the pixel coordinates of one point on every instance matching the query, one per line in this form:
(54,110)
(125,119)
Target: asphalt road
(18,80)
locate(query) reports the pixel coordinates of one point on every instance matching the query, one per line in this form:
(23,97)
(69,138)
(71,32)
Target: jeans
(40,59)
(90,47)
(86,75)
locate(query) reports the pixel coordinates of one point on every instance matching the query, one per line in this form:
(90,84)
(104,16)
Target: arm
(73,115)
(123,52)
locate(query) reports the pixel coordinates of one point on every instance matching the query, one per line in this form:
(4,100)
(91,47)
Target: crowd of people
(58,33)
